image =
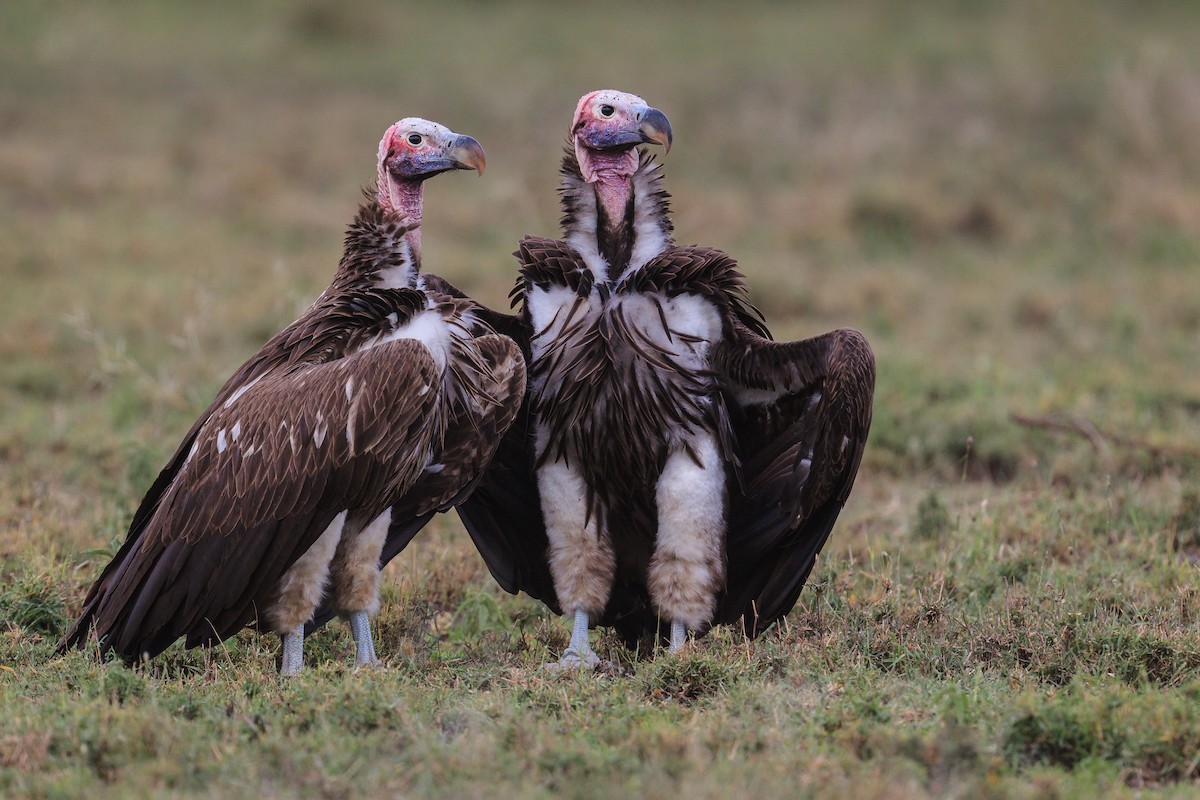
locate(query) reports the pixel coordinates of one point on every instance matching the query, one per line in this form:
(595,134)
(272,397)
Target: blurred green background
(1004,196)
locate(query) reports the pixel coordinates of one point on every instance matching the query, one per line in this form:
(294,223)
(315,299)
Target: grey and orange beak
(655,128)
(466,153)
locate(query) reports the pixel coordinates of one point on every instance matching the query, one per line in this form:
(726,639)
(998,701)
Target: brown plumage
(381,402)
(647,365)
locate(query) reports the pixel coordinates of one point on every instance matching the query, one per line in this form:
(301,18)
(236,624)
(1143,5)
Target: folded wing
(265,474)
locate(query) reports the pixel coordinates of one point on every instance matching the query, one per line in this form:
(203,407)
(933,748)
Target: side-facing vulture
(674,463)
(352,426)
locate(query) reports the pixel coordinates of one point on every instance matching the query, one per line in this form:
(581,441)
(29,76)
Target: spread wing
(266,472)
(503,515)
(801,412)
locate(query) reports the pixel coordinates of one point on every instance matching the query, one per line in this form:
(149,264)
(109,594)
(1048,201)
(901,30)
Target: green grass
(1005,197)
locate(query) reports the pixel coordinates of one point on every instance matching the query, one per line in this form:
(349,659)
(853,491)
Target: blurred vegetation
(1004,196)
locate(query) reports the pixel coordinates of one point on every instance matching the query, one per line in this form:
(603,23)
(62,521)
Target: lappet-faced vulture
(338,439)
(675,465)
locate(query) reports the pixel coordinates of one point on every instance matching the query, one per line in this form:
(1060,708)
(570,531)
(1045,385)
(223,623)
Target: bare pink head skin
(607,128)
(412,151)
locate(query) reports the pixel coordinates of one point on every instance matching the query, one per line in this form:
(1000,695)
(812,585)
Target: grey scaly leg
(678,637)
(293,653)
(579,653)
(364,645)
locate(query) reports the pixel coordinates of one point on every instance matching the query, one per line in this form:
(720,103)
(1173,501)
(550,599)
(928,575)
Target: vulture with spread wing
(673,463)
(328,449)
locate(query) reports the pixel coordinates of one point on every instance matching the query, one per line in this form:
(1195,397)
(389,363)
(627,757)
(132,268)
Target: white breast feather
(687,314)
(548,308)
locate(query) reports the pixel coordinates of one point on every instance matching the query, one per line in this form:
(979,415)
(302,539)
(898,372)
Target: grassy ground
(1004,197)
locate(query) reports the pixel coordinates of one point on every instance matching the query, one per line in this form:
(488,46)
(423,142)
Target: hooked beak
(466,153)
(655,128)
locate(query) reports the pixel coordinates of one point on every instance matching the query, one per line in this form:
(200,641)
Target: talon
(574,659)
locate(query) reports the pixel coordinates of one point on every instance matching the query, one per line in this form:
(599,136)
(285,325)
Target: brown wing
(266,474)
(476,427)
(801,412)
(322,334)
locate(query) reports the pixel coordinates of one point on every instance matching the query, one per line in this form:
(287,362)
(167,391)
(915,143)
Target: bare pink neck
(404,199)
(613,192)
(610,173)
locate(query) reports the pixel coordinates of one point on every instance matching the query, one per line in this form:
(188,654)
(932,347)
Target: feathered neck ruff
(614,249)
(378,249)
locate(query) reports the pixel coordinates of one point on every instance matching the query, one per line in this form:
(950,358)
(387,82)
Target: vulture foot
(293,653)
(573,659)
(364,645)
(678,637)
(579,653)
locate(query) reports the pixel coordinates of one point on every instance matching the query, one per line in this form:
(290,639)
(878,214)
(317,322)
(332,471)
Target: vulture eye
(607,110)
(414,139)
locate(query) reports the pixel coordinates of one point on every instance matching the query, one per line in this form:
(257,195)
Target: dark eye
(607,110)
(414,139)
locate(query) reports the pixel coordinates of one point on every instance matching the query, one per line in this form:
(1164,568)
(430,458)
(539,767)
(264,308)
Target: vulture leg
(355,573)
(579,652)
(299,593)
(364,645)
(293,652)
(581,557)
(688,569)
(678,637)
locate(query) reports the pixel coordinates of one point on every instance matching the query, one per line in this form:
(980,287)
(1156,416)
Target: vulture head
(606,130)
(414,150)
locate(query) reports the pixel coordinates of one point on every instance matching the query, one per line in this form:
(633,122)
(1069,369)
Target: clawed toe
(573,659)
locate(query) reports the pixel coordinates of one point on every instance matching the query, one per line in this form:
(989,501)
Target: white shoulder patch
(694,315)
(430,328)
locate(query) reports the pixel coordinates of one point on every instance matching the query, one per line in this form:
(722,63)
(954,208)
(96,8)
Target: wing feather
(479,419)
(800,413)
(225,516)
